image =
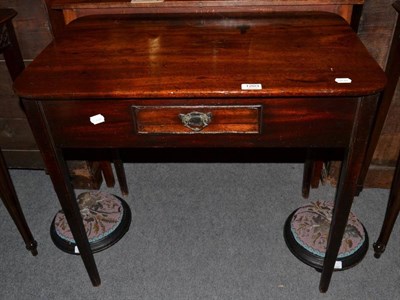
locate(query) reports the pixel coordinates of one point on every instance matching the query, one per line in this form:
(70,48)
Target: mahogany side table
(15,64)
(273,80)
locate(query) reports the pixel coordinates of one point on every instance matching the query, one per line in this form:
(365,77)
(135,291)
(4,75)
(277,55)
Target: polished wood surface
(207,119)
(313,51)
(10,49)
(112,65)
(286,122)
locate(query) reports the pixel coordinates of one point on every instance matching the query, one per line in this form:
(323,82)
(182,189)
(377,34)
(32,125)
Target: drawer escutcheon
(195,120)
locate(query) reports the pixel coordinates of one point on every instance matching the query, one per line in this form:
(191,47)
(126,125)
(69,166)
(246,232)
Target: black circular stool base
(106,219)
(306,233)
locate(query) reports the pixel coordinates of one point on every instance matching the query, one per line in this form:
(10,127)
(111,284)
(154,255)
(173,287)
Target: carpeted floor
(199,231)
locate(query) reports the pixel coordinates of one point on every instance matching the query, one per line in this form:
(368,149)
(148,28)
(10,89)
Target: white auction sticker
(97,119)
(338,265)
(251,86)
(342,80)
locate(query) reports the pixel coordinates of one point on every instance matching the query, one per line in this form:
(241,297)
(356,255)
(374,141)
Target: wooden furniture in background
(73,9)
(10,49)
(19,148)
(393,74)
(376,30)
(392,71)
(11,202)
(296,107)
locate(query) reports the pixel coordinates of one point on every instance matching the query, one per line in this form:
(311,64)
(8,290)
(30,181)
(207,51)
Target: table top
(147,56)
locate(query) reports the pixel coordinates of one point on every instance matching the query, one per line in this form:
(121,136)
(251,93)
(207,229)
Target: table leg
(392,211)
(346,188)
(58,171)
(10,200)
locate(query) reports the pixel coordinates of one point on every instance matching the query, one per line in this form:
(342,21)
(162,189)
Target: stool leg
(392,212)
(10,200)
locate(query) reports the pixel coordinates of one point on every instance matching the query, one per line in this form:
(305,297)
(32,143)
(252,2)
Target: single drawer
(197,119)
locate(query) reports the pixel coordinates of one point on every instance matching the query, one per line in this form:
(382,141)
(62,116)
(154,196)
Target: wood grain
(286,122)
(222,119)
(152,66)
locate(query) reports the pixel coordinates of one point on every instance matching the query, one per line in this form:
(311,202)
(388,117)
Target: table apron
(125,123)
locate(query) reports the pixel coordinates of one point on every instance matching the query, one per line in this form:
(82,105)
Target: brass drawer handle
(195,120)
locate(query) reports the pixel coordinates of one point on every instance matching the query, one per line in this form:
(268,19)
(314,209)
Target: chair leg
(392,212)
(311,174)
(307,175)
(119,169)
(107,173)
(10,200)
(316,173)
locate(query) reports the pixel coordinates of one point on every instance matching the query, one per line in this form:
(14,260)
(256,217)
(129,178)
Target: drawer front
(197,119)
(277,122)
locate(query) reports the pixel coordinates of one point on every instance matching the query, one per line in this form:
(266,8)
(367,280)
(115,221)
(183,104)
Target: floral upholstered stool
(306,235)
(106,219)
